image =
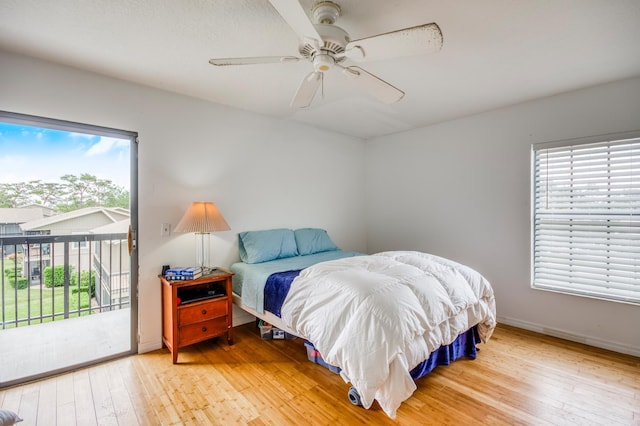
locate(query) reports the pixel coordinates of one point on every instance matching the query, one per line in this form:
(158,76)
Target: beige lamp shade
(202,217)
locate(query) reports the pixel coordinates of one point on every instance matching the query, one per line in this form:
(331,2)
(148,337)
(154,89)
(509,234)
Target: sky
(33,153)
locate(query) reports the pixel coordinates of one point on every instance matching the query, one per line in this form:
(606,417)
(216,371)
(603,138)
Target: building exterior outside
(106,259)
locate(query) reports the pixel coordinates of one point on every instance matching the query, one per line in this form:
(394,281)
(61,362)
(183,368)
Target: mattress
(250,278)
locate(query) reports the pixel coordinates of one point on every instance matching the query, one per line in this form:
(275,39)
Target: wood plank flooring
(519,378)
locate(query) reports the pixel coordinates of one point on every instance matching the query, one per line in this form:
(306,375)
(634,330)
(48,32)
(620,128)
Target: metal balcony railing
(53,277)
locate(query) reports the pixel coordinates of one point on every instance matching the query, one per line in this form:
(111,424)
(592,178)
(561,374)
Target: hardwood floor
(519,377)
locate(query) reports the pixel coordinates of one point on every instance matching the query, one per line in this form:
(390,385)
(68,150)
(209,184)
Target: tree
(14,194)
(46,194)
(73,193)
(5,198)
(76,190)
(117,197)
(32,192)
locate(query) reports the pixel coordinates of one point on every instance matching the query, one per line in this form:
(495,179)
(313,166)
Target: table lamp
(202,218)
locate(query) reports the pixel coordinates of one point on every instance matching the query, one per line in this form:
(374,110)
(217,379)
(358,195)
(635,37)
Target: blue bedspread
(276,290)
(463,346)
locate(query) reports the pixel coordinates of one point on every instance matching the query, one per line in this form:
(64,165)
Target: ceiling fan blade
(293,13)
(412,41)
(221,62)
(373,85)
(307,90)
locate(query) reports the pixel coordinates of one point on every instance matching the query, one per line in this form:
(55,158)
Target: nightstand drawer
(202,312)
(202,331)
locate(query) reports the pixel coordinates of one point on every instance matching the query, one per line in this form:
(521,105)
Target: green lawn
(52,302)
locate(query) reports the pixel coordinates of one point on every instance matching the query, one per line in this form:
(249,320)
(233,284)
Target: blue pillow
(263,246)
(313,240)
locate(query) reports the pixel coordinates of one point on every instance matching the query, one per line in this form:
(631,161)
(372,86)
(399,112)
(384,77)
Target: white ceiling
(495,52)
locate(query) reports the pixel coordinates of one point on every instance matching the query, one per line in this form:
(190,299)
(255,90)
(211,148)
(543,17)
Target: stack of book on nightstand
(183,273)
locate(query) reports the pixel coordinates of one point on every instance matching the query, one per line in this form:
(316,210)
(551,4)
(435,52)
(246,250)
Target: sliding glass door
(68,221)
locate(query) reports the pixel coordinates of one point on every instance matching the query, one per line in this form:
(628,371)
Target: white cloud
(105,145)
(80,135)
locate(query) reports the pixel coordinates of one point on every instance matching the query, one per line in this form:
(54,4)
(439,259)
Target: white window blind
(586,218)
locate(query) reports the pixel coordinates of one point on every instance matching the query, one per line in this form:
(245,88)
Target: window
(79,244)
(586,217)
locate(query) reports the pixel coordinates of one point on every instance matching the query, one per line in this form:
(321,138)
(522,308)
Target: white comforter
(378,316)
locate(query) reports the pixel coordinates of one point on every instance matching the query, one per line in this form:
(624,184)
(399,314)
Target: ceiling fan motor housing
(334,41)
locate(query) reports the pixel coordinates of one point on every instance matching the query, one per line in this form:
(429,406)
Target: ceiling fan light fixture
(323,62)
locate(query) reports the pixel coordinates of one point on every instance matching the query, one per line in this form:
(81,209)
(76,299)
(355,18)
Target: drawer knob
(204,312)
(204,329)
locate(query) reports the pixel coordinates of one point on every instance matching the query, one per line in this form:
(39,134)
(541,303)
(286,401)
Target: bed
(384,319)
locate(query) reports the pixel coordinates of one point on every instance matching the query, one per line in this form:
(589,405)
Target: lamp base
(207,270)
(203,244)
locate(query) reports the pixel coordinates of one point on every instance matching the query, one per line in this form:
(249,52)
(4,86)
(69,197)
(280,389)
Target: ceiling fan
(328,46)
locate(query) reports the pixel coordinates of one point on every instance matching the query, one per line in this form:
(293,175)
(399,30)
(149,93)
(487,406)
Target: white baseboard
(563,334)
(149,346)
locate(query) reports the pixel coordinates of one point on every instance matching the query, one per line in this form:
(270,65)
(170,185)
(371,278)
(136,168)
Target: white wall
(461,189)
(260,172)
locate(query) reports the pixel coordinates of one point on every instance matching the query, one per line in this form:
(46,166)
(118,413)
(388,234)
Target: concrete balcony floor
(34,351)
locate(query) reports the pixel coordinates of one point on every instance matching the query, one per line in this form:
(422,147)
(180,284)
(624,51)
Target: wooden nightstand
(196,310)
